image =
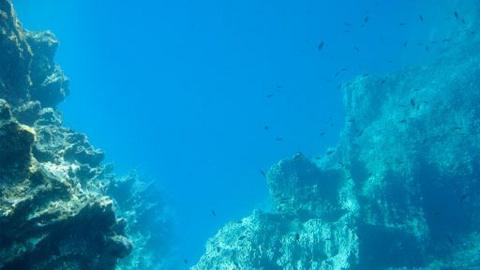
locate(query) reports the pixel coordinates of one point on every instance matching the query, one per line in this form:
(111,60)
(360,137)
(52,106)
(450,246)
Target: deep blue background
(182,90)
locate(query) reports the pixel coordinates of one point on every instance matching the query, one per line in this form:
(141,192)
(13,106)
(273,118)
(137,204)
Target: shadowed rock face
(54,213)
(401,190)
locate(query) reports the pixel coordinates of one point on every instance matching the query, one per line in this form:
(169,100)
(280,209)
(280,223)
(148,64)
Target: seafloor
(400,191)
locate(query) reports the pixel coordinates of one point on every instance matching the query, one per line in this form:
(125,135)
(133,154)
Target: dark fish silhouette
(356,49)
(213,213)
(278,139)
(322,133)
(185,261)
(412,102)
(366,19)
(420,17)
(270,95)
(456,15)
(262,172)
(321,45)
(266,128)
(297,236)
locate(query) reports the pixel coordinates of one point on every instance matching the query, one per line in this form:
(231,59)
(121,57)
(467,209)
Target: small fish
(270,95)
(412,102)
(403,121)
(356,49)
(366,19)
(266,128)
(329,152)
(402,24)
(297,236)
(321,45)
(420,17)
(262,172)
(213,213)
(279,139)
(457,16)
(405,44)
(322,133)
(185,261)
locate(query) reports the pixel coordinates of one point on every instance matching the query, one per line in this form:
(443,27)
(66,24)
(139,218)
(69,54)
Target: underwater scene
(240,135)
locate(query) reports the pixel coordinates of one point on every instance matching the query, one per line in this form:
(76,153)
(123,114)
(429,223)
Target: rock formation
(400,191)
(54,209)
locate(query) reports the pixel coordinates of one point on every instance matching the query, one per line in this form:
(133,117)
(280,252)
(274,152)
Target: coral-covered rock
(15,150)
(50,85)
(54,213)
(15,57)
(146,222)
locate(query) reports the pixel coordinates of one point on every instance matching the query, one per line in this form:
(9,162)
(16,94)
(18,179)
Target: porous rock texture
(400,191)
(54,208)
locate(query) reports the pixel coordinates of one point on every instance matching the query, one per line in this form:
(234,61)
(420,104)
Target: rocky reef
(60,207)
(400,191)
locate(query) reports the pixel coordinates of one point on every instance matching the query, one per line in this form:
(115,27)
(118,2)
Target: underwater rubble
(400,191)
(55,208)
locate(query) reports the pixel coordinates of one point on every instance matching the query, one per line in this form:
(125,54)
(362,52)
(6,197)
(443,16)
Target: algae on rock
(54,213)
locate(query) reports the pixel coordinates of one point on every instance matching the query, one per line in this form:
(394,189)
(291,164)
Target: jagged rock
(48,116)
(145,222)
(400,191)
(15,150)
(28,112)
(50,85)
(54,213)
(5,111)
(15,57)
(299,187)
(80,150)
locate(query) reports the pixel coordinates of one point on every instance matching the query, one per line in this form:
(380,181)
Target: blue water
(203,95)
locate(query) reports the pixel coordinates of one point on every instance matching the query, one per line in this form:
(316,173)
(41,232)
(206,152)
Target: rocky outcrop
(54,212)
(400,191)
(149,224)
